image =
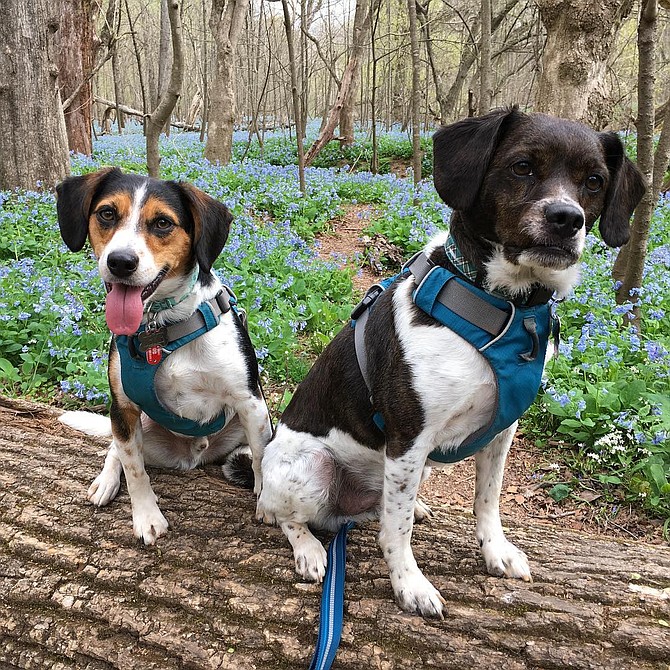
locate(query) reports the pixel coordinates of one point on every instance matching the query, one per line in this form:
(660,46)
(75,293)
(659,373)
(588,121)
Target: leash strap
(332,602)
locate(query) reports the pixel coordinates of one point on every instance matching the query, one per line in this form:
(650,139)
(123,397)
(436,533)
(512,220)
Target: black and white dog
(183,374)
(525,190)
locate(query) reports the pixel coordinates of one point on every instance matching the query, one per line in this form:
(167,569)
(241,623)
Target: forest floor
(530,472)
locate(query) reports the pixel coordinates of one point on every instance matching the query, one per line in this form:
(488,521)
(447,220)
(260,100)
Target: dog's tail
(237,468)
(88,422)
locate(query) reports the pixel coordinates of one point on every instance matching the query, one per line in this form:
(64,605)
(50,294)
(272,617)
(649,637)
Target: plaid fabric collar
(464,266)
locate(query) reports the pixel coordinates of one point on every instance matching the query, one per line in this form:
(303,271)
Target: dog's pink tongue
(124,309)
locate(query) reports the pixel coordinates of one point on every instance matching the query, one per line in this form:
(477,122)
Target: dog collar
(536,295)
(168,303)
(456,258)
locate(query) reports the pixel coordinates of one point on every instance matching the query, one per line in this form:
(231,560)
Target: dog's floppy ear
(462,152)
(74,196)
(625,189)
(212,221)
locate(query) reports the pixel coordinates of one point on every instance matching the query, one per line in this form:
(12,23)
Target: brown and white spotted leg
(501,556)
(402,475)
(148,521)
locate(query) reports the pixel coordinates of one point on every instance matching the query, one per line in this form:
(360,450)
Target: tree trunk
(358,46)
(219,590)
(161,115)
(344,93)
(416,91)
(164,57)
(294,95)
(75,65)
(448,100)
(636,249)
(33,141)
(485,72)
(573,79)
(225,22)
(140,69)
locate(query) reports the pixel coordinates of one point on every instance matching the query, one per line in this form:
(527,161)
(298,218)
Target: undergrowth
(605,403)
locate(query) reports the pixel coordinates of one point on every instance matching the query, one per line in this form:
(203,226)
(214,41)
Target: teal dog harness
(512,338)
(138,371)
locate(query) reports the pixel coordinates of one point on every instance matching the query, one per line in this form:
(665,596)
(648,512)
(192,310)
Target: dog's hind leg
(402,476)
(106,485)
(501,556)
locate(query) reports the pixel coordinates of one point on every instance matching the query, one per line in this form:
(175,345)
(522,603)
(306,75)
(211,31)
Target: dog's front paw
(414,593)
(104,488)
(149,524)
(503,559)
(310,559)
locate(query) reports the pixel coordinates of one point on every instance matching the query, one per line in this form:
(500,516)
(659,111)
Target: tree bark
(226,22)
(416,91)
(33,141)
(636,250)
(359,43)
(161,115)
(485,72)
(448,99)
(75,65)
(344,93)
(573,78)
(294,95)
(219,590)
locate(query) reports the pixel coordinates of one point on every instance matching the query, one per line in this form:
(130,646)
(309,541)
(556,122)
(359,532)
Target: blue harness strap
(513,340)
(138,375)
(332,602)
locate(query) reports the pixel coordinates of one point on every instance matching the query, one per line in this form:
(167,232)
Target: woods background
(540,53)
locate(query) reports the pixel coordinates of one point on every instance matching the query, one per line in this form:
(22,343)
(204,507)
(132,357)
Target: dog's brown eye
(522,169)
(106,215)
(163,224)
(594,183)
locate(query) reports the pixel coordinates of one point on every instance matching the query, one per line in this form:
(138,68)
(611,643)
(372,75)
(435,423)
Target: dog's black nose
(564,218)
(122,263)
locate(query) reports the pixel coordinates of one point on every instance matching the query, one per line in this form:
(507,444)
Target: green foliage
(606,399)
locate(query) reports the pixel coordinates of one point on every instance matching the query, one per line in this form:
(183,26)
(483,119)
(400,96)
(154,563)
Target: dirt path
(345,241)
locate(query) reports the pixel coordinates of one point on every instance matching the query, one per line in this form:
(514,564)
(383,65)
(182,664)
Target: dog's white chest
(454,382)
(202,378)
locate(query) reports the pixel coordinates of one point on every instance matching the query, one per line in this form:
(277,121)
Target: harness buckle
(368,299)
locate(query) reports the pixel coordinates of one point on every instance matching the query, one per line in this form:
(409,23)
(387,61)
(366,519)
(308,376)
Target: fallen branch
(219,590)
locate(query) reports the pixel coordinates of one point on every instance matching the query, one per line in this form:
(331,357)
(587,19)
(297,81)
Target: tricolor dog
(182,370)
(441,363)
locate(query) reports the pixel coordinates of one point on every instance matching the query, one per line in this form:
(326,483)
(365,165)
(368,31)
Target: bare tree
(580,35)
(75,64)
(140,69)
(447,99)
(629,265)
(359,44)
(161,115)
(33,141)
(343,93)
(288,23)
(226,22)
(416,90)
(485,73)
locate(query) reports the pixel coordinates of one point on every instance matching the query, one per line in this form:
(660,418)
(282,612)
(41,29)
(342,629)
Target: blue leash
(332,602)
